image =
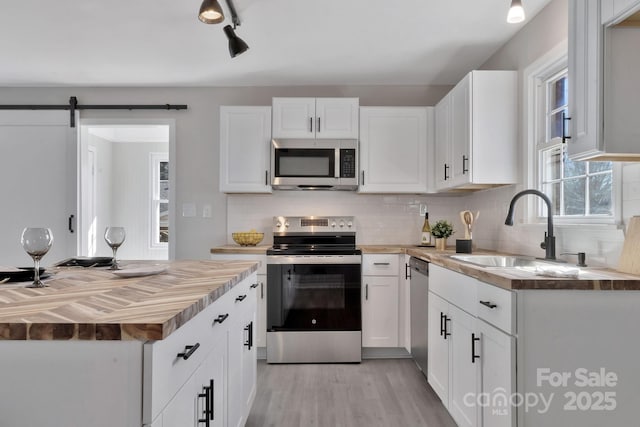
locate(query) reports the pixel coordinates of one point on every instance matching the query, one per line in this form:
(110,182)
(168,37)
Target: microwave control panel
(347,163)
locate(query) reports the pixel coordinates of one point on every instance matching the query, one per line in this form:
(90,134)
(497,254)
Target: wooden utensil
(630,257)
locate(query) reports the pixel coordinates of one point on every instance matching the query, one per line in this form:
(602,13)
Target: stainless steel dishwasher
(419,300)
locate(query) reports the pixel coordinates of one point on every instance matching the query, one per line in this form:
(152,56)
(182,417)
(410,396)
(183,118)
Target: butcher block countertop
(602,279)
(590,278)
(94,304)
(237,249)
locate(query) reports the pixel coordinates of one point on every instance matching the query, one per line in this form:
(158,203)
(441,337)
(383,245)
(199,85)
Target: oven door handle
(314,259)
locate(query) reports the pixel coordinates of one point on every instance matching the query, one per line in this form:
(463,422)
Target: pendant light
(236,44)
(516,12)
(211,12)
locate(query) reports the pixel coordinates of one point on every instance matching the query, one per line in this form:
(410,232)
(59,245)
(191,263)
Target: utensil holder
(463,246)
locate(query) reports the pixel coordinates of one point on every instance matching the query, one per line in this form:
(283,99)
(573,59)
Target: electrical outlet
(206,211)
(188,209)
(423,209)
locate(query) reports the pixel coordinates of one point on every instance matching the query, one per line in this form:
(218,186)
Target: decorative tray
(141,271)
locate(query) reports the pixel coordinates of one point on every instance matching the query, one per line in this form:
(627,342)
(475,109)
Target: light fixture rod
(234,14)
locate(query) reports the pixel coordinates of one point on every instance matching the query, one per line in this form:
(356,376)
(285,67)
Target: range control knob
(349,224)
(341,224)
(286,224)
(278,224)
(333,224)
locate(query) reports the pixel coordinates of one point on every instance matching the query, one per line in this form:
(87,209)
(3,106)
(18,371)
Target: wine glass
(36,242)
(114,237)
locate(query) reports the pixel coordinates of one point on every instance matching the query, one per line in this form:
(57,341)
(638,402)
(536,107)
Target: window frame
(154,201)
(534,116)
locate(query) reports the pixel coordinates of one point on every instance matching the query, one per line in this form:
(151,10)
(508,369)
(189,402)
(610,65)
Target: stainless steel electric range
(314,285)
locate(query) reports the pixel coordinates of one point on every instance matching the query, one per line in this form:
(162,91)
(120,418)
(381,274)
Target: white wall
(131,196)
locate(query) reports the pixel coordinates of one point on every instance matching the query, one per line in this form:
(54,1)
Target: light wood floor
(385,392)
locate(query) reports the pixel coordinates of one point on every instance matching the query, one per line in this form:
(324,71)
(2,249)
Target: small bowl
(247,238)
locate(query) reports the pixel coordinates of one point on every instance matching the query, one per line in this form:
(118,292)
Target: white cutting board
(630,257)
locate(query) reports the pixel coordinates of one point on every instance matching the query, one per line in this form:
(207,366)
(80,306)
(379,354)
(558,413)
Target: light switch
(188,209)
(206,211)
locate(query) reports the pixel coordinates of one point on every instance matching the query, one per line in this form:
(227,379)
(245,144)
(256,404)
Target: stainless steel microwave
(314,164)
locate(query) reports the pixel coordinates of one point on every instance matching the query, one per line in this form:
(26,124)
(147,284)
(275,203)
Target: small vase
(441,243)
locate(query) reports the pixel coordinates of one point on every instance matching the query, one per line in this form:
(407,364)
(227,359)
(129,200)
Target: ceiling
(292,42)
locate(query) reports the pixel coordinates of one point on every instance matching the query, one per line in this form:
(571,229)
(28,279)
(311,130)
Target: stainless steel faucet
(549,244)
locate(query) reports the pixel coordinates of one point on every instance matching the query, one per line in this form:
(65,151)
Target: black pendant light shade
(211,12)
(236,44)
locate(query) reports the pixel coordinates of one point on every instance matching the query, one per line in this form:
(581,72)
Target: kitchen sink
(501,261)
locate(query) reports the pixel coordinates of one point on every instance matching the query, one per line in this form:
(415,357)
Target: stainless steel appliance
(419,290)
(316,164)
(314,287)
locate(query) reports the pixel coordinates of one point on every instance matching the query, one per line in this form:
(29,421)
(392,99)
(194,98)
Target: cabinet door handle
(446,319)
(488,304)
(208,402)
(465,168)
(255,285)
(381,263)
(407,271)
(211,400)
(240,298)
(473,348)
(446,169)
(266,177)
(188,351)
(71,223)
(261,290)
(442,316)
(362,177)
(249,342)
(221,318)
(318,126)
(565,119)
(310,124)
(366,291)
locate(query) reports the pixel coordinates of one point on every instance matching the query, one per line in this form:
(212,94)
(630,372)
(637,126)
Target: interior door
(38,168)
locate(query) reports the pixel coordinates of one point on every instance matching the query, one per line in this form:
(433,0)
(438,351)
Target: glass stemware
(36,242)
(114,236)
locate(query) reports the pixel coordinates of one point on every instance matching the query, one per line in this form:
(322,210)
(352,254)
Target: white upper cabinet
(476,132)
(604,61)
(395,146)
(320,118)
(245,138)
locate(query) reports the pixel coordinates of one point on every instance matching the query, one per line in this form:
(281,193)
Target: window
(159,200)
(578,190)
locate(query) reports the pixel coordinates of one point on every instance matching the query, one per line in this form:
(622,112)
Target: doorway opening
(126,180)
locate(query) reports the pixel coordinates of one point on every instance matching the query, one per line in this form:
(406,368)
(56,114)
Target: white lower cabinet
(210,381)
(380,311)
(380,290)
(471,363)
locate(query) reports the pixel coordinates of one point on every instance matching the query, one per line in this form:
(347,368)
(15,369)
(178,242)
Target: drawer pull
(473,348)
(188,351)
(221,318)
(240,298)
(488,304)
(255,285)
(381,263)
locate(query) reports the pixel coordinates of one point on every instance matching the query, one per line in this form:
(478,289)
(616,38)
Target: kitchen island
(93,349)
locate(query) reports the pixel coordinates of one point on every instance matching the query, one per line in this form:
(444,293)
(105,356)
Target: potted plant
(441,230)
